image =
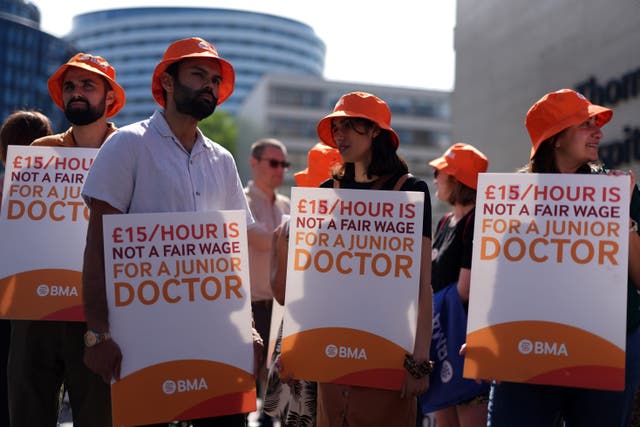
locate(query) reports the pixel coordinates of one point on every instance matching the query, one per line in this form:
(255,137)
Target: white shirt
(143,168)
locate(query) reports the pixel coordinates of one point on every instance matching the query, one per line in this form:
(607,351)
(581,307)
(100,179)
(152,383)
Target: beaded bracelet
(416,370)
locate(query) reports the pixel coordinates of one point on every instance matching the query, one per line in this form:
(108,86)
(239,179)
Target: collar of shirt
(160,125)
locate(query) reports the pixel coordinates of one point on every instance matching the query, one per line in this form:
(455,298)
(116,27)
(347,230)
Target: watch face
(90,339)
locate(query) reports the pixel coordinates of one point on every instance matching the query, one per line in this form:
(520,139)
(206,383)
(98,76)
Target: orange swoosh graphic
(544,353)
(345,356)
(182,389)
(46,294)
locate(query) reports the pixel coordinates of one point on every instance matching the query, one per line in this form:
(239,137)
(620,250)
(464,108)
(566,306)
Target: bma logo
(56,291)
(181,386)
(446,372)
(344,352)
(542,348)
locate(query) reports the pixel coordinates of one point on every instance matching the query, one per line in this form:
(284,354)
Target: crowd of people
(166,164)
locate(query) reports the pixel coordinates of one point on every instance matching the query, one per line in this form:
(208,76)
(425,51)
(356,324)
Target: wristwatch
(92,338)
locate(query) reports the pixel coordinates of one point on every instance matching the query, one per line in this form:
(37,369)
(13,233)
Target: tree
(221,127)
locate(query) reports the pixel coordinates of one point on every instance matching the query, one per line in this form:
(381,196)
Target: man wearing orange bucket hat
(45,354)
(86,90)
(176,169)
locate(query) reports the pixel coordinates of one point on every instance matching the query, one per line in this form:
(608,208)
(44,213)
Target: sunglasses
(275,163)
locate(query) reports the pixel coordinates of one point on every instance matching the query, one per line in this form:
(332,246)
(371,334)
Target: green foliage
(221,127)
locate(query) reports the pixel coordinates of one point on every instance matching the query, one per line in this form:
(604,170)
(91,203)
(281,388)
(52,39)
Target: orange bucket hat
(95,64)
(464,162)
(320,160)
(362,105)
(193,47)
(559,110)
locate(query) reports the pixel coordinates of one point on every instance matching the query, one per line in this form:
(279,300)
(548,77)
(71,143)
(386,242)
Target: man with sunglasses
(268,162)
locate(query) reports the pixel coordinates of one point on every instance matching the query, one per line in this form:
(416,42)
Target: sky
(405,43)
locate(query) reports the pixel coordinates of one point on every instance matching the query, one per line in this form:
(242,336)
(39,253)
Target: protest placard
(43,224)
(549,280)
(352,285)
(179,307)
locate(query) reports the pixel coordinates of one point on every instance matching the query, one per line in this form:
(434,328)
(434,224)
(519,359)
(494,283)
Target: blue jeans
(543,405)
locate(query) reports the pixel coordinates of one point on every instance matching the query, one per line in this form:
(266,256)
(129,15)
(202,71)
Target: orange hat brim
(226,69)
(603,116)
(324,127)
(55,87)
(463,162)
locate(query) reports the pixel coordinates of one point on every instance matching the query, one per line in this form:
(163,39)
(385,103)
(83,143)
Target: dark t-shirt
(633,298)
(452,249)
(411,184)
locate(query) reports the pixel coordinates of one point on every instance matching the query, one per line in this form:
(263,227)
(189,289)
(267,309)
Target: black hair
(384,157)
(22,128)
(544,160)
(172,70)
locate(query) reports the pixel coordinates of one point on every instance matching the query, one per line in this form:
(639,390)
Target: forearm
(279,263)
(464,284)
(93,288)
(279,280)
(93,277)
(425,306)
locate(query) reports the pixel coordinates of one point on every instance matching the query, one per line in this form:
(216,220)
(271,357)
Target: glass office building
(27,58)
(133,41)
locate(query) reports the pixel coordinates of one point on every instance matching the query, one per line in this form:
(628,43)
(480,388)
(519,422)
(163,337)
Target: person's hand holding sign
(416,380)
(102,355)
(104,358)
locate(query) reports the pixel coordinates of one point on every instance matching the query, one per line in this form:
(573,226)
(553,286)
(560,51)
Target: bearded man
(43,355)
(162,164)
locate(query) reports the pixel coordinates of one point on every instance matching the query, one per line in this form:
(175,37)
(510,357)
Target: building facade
(27,58)
(289,108)
(509,53)
(133,41)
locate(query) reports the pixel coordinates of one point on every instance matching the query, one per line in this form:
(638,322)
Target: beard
(81,116)
(189,102)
